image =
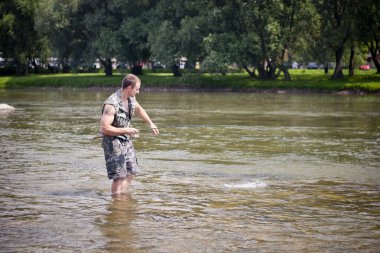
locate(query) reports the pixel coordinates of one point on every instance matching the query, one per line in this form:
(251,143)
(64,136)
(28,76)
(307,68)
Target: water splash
(248,185)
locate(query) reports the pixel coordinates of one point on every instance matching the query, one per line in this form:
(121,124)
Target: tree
(19,39)
(176,31)
(96,24)
(134,33)
(338,29)
(260,34)
(104,30)
(163,46)
(54,20)
(235,39)
(369,28)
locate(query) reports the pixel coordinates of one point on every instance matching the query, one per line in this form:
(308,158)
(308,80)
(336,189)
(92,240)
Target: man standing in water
(119,152)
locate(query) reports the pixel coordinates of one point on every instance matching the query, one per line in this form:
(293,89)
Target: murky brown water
(229,173)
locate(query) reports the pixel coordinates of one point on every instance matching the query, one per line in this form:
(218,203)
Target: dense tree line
(262,37)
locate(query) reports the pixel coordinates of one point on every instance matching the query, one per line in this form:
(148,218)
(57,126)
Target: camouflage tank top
(123,115)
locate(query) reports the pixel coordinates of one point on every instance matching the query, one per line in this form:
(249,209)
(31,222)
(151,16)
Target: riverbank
(313,81)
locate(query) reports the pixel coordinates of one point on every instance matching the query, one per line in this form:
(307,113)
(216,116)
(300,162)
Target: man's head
(130,80)
(131,84)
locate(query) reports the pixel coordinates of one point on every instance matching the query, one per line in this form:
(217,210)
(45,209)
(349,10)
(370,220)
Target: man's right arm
(106,120)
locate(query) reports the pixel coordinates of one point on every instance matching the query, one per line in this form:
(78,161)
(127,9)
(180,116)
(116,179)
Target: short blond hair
(129,80)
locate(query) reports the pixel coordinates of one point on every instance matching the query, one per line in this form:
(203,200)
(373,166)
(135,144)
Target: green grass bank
(302,81)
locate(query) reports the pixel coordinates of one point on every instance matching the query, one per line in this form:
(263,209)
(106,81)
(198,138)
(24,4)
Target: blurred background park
(259,40)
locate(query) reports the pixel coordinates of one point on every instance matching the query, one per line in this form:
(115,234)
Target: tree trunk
(351,66)
(268,68)
(21,68)
(339,51)
(285,58)
(374,48)
(107,64)
(250,73)
(108,68)
(176,71)
(338,71)
(326,68)
(271,69)
(36,67)
(262,72)
(286,73)
(137,70)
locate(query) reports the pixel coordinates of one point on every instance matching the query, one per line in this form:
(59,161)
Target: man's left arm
(141,113)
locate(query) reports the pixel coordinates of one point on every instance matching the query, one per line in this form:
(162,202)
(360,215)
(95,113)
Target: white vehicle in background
(312,65)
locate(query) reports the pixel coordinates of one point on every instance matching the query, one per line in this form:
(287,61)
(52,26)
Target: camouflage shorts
(120,157)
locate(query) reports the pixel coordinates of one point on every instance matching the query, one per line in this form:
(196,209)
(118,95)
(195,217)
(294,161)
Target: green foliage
(162,43)
(262,37)
(177,30)
(19,40)
(215,63)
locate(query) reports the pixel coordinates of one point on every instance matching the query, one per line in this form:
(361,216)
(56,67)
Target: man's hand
(133,132)
(154,129)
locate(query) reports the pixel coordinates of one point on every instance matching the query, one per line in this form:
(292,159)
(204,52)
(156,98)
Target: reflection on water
(229,172)
(115,225)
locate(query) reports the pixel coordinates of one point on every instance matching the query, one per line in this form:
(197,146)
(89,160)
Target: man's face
(135,90)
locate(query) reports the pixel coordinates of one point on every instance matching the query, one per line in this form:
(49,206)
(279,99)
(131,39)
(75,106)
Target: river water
(230,172)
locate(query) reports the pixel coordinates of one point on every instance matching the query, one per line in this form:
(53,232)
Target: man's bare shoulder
(109,109)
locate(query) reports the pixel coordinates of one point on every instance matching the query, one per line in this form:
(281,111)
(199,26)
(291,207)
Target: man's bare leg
(126,184)
(120,186)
